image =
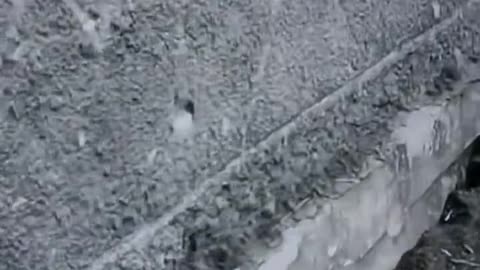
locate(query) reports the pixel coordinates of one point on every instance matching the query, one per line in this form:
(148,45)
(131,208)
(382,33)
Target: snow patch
(417,131)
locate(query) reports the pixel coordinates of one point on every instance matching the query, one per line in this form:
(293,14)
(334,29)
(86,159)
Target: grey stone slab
(421,215)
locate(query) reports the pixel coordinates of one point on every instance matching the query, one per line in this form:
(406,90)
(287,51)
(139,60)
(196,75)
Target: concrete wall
(398,199)
(289,97)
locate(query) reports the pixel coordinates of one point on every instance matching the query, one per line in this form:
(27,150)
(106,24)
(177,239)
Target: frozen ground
(87,158)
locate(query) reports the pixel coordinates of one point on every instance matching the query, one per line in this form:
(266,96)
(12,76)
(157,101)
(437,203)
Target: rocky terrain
(176,134)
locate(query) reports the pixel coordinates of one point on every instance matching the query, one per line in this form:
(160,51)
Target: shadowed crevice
(472,179)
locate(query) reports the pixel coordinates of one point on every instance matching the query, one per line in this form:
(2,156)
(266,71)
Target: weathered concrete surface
(91,176)
(398,233)
(419,217)
(376,212)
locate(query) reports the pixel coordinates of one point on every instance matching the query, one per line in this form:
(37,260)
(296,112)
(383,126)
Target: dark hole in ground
(454,242)
(189,107)
(455,210)
(473,168)
(185,104)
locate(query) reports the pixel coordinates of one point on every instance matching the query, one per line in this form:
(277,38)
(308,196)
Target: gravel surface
(87,93)
(290,172)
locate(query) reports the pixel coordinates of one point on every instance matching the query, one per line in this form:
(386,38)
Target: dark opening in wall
(472,173)
(456,210)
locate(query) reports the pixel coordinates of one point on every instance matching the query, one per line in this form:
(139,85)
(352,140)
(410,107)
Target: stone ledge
(421,215)
(376,209)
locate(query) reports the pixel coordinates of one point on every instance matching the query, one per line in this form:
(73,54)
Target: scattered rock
(17,108)
(56,102)
(18,203)
(307,211)
(132,261)
(87,50)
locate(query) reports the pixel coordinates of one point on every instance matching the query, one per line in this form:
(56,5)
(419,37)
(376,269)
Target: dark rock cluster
(454,243)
